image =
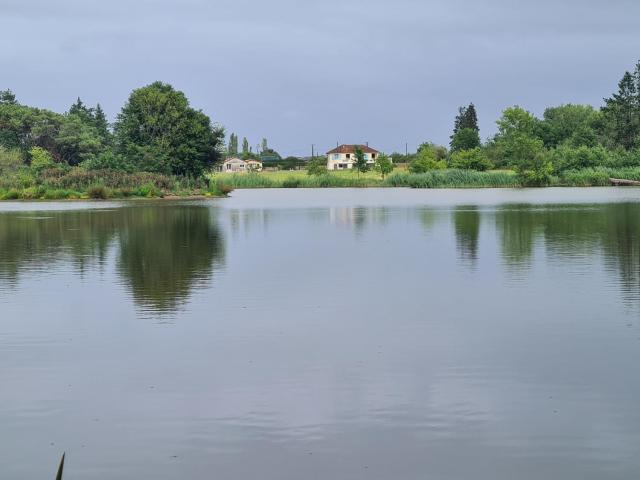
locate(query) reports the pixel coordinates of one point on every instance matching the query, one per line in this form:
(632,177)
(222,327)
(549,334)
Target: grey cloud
(322,71)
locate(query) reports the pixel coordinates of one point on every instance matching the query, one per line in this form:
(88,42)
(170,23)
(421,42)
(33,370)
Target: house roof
(251,160)
(352,149)
(233,159)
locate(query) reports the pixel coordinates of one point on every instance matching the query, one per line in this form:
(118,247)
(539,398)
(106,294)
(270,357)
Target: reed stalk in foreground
(60,468)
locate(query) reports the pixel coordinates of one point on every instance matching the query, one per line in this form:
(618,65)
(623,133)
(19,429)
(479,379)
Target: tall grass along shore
(452,178)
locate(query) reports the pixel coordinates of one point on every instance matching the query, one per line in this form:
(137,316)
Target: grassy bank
(78,183)
(451,178)
(434,179)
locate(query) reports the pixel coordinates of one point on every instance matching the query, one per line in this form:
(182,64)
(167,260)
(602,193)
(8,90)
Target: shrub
(474,159)
(10,160)
(537,172)
(572,158)
(317,166)
(98,192)
(149,190)
(40,159)
(425,161)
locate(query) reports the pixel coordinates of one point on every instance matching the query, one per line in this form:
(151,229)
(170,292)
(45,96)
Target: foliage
(40,159)
(536,171)
(360,161)
(232,149)
(465,139)
(466,133)
(573,125)
(7,97)
(567,157)
(10,161)
(425,160)
(516,138)
(622,112)
(472,159)
(439,152)
(159,132)
(317,166)
(383,165)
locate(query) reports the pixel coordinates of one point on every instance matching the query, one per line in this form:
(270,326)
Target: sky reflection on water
(324,334)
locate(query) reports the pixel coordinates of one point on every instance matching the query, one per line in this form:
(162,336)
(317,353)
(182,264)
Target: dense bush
(474,159)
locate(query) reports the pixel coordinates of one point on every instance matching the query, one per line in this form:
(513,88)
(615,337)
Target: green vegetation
(360,164)
(383,165)
(159,146)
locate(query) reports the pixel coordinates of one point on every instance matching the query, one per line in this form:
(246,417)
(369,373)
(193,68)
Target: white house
(343,156)
(237,165)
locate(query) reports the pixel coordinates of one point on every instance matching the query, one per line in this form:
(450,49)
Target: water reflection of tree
(467,228)
(517,227)
(30,241)
(571,232)
(164,251)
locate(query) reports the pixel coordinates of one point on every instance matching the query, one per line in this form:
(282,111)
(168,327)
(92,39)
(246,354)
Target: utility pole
(406,149)
(312,151)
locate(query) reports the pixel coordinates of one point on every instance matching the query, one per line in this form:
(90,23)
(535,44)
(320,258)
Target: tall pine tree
(100,122)
(622,112)
(466,133)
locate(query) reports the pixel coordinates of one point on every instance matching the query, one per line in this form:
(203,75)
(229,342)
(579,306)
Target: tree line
(567,137)
(156,131)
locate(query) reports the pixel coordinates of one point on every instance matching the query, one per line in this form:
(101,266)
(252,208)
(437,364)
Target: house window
(348,155)
(336,156)
(373,156)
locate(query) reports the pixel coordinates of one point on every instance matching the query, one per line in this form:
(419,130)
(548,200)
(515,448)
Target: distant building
(237,165)
(343,156)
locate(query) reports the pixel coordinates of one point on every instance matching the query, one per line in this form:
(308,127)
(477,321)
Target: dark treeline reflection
(162,252)
(571,231)
(467,226)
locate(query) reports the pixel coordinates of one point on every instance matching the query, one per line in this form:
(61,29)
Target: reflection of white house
(342,157)
(237,165)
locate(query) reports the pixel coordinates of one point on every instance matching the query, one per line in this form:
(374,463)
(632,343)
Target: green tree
(622,112)
(571,124)
(233,144)
(516,140)
(465,139)
(158,131)
(439,152)
(466,133)
(360,161)
(263,146)
(77,141)
(383,165)
(317,166)
(101,124)
(7,98)
(472,159)
(426,159)
(245,146)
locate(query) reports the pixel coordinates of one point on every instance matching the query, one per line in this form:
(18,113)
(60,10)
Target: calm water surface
(323,334)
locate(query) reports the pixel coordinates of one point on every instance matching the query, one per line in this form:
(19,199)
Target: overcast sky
(301,72)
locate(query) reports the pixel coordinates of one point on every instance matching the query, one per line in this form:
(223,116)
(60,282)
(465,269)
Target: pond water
(323,334)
